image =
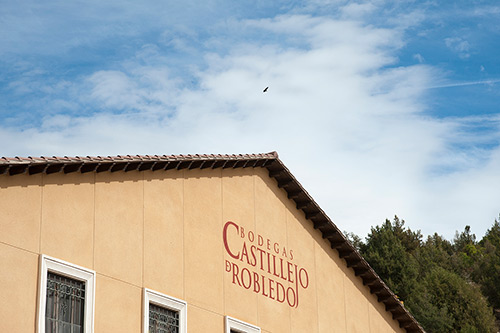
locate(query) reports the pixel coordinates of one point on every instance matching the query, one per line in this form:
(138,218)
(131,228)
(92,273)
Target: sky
(379,108)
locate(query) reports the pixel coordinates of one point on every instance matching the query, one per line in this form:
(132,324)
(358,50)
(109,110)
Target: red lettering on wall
(235,274)
(261,258)
(303,279)
(289,292)
(243,278)
(264,287)
(224,238)
(276,248)
(279,279)
(254,258)
(271,289)
(290,272)
(244,253)
(256,285)
(280,288)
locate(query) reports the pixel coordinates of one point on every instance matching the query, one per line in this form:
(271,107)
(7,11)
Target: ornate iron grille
(163,320)
(64,311)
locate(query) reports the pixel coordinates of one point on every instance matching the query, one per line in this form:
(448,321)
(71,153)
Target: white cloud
(458,45)
(357,10)
(418,57)
(348,123)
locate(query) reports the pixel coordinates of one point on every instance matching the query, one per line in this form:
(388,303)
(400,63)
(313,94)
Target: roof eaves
(47,165)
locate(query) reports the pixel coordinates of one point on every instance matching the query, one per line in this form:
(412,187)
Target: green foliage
(487,273)
(493,234)
(467,253)
(436,251)
(386,250)
(446,285)
(464,239)
(355,240)
(487,269)
(447,303)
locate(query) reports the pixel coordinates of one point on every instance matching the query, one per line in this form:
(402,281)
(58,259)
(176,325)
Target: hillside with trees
(448,286)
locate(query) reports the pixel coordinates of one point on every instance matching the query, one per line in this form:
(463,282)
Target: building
(202,243)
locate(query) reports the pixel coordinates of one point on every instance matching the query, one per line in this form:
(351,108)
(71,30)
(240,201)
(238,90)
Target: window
(238,326)
(163,314)
(64,309)
(66,302)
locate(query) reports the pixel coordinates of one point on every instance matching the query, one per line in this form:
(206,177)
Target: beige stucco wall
(163,231)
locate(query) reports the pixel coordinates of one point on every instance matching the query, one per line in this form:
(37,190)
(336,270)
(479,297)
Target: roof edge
(34,165)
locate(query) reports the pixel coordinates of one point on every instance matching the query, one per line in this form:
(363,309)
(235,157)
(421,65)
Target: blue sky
(378,107)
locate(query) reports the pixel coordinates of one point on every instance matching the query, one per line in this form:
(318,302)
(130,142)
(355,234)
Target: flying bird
(265,89)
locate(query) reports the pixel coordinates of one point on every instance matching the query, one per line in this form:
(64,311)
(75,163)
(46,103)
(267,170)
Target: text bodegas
(273,275)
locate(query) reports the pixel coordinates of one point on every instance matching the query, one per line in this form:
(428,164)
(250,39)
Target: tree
(434,252)
(464,239)
(386,250)
(355,240)
(445,302)
(467,253)
(492,234)
(487,272)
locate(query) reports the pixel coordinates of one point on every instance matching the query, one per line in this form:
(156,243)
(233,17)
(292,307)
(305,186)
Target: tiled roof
(33,165)
(277,170)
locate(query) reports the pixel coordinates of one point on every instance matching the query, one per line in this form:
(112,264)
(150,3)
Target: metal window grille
(163,320)
(64,312)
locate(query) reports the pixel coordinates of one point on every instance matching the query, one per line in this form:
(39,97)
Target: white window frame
(169,302)
(60,267)
(240,326)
